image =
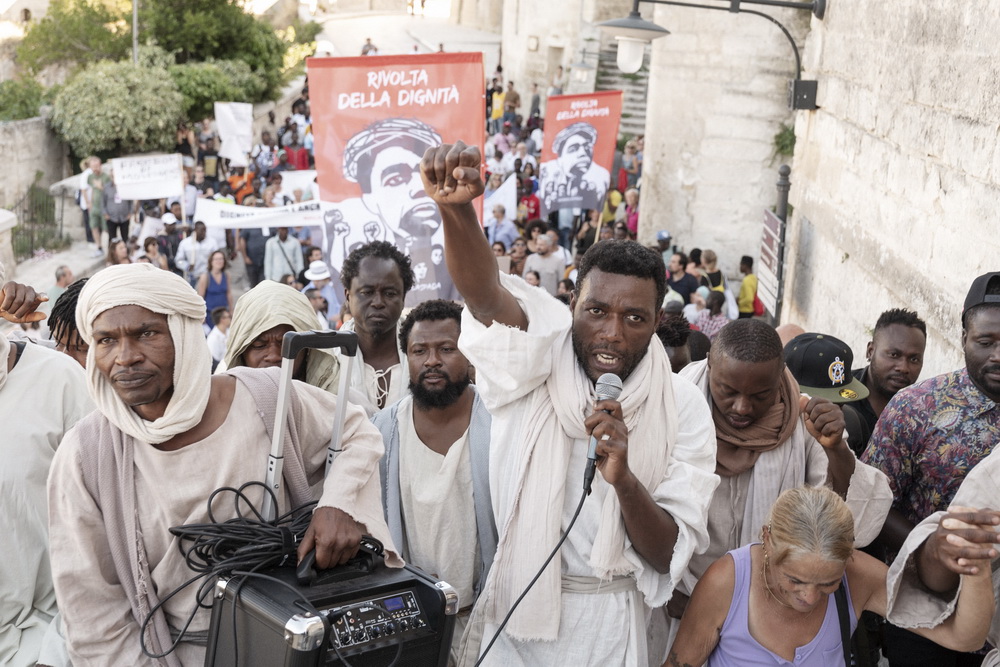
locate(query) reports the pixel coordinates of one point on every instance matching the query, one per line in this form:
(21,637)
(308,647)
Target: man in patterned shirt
(929,437)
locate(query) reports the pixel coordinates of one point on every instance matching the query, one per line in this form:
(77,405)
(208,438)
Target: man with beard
(895,357)
(435,472)
(930,436)
(572,180)
(770,438)
(536,365)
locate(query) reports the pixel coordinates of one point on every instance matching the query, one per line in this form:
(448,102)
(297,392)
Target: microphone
(609,387)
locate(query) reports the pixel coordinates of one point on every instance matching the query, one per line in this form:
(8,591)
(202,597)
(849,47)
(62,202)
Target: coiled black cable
(239,547)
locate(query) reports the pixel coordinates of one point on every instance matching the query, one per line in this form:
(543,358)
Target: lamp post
(582,69)
(633,33)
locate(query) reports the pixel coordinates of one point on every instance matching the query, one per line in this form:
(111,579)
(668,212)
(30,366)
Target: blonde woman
(776,601)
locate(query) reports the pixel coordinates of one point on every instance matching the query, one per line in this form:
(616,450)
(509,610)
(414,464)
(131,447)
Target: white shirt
(436,497)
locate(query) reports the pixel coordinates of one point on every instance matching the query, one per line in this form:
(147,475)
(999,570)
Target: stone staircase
(634,86)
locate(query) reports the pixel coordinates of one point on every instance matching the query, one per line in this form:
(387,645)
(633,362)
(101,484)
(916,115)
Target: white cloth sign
(235,123)
(506,196)
(217,214)
(148,176)
(298,180)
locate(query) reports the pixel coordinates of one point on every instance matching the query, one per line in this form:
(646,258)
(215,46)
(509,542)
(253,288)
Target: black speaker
(368,620)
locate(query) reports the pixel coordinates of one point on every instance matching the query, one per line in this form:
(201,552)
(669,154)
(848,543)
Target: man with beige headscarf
(771,438)
(167,434)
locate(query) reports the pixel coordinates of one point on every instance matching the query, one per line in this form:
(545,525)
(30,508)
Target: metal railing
(40,222)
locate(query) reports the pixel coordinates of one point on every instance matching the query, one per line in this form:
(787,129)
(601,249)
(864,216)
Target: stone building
(894,177)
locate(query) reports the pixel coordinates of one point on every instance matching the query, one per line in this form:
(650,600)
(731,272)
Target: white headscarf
(159,291)
(4,343)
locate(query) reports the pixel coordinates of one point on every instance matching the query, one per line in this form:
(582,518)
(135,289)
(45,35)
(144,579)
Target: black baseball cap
(822,365)
(977,295)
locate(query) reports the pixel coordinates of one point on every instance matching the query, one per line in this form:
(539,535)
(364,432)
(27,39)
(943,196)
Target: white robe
(44,396)
(606,628)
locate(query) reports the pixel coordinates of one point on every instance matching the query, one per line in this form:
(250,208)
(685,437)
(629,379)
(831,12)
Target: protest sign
(148,176)
(234,121)
(580,136)
(373,119)
(218,214)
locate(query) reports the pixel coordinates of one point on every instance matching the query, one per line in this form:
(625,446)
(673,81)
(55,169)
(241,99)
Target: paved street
(399,33)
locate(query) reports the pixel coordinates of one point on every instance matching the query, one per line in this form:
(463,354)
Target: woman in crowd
(214,287)
(532,231)
(630,165)
(632,212)
(498,249)
(518,255)
(528,172)
(152,251)
(713,317)
(492,185)
(796,596)
(118,253)
(711,276)
(533,278)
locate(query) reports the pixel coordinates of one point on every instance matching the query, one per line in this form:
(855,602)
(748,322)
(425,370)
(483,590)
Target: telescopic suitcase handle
(292,343)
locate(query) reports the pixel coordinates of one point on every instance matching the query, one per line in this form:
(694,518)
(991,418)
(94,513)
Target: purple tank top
(737,648)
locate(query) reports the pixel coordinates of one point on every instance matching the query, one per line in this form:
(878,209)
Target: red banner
(373,117)
(580,136)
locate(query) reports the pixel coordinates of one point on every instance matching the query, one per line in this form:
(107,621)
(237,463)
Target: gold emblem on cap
(849,394)
(837,372)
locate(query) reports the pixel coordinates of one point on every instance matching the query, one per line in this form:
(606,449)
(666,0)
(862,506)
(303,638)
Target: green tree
(202,84)
(118,108)
(198,30)
(20,99)
(76,33)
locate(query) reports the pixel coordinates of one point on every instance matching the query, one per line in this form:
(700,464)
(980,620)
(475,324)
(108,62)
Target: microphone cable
(555,550)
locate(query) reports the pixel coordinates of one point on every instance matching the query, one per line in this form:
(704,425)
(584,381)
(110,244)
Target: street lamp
(633,33)
(582,69)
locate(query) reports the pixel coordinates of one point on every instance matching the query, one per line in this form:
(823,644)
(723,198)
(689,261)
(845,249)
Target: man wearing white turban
(165,436)
(42,395)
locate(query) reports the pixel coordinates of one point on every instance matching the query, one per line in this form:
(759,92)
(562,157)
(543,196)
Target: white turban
(163,292)
(4,343)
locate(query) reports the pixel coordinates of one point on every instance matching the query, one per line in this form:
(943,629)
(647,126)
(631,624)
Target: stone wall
(540,36)
(896,178)
(479,14)
(27,147)
(717,98)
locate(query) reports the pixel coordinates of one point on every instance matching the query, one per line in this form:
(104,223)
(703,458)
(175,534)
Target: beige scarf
(159,291)
(4,343)
(530,511)
(272,304)
(739,448)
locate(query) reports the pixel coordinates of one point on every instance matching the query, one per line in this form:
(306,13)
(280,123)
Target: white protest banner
(218,214)
(234,121)
(148,176)
(298,180)
(506,196)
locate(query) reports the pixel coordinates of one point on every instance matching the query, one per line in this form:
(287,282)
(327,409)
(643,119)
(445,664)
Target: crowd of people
(756,500)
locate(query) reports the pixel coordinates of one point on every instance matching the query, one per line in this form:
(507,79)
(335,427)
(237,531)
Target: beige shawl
(163,292)
(530,512)
(272,304)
